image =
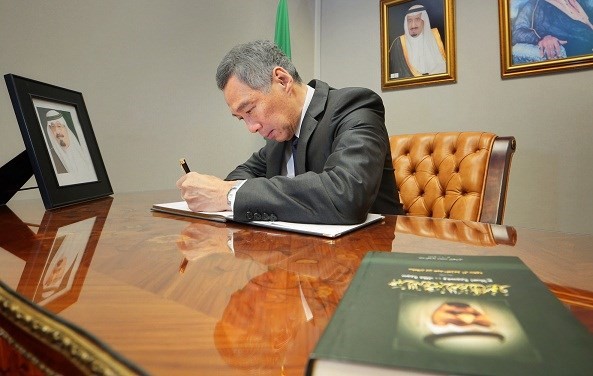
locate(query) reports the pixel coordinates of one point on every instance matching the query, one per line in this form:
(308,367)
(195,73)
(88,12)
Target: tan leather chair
(458,175)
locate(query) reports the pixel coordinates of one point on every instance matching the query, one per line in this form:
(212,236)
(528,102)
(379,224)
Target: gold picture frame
(397,68)
(526,47)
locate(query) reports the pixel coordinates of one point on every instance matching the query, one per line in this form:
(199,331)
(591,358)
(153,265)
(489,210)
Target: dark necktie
(294,144)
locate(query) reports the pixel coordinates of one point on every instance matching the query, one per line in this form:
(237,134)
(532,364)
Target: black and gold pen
(184,165)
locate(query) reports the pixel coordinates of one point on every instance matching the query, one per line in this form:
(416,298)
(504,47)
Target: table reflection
(58,255)
(288,287)
(467,232)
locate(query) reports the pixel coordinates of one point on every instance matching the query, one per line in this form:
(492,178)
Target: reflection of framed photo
(65,245)
(65,254)
(417,43)
(545,36)
(60,142)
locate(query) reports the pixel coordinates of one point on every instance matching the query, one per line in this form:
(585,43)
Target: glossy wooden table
(176,295)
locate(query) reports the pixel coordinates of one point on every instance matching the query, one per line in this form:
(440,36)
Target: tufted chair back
(458,175)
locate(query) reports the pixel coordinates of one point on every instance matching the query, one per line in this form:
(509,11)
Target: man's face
(270,113)
(460,314)
(60,132)
(415,24)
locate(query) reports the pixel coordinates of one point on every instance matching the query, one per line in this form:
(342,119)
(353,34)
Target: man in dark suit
(326,159)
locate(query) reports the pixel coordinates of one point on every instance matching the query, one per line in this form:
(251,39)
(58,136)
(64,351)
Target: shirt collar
(308,97)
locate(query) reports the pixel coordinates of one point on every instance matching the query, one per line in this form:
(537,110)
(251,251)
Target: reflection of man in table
(67,153)
(272,293)
(65,257)
(420,50)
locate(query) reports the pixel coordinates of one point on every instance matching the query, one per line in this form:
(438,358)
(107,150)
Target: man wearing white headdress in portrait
(68,155)
(420,50)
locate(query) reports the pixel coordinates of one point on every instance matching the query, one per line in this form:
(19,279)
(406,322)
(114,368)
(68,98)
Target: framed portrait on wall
(545,36)
(417,43)
(60,142)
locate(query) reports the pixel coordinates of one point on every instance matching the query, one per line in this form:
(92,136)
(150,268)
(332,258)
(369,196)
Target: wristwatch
(230,196)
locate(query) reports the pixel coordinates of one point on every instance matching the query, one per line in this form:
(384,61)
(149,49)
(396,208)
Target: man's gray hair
(252,63)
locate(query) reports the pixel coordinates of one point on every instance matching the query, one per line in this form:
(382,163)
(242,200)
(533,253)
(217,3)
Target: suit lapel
(316,107)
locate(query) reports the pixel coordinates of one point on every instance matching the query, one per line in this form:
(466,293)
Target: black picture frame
(59,141)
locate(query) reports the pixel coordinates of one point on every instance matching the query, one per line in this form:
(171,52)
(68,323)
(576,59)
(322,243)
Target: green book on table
(449,314)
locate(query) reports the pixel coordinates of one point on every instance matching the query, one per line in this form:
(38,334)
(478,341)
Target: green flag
(282,35)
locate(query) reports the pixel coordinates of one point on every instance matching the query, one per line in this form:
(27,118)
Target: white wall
(551,184)
(146,70)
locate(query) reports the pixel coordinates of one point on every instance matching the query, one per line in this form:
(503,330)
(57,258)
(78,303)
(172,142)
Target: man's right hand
(549,47)
(204,192)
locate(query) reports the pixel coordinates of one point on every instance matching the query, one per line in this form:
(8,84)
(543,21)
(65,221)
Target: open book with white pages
(328,231)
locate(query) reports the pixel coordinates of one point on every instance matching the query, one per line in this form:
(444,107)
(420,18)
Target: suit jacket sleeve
(341,160)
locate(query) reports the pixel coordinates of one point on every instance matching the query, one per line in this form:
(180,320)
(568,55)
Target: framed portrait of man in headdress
(545,36)
(417,43)
(60,142)
(65,141)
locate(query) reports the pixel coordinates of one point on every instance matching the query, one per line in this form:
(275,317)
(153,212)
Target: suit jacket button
(249,216)
(257,216)
(273,217)
(266,217)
